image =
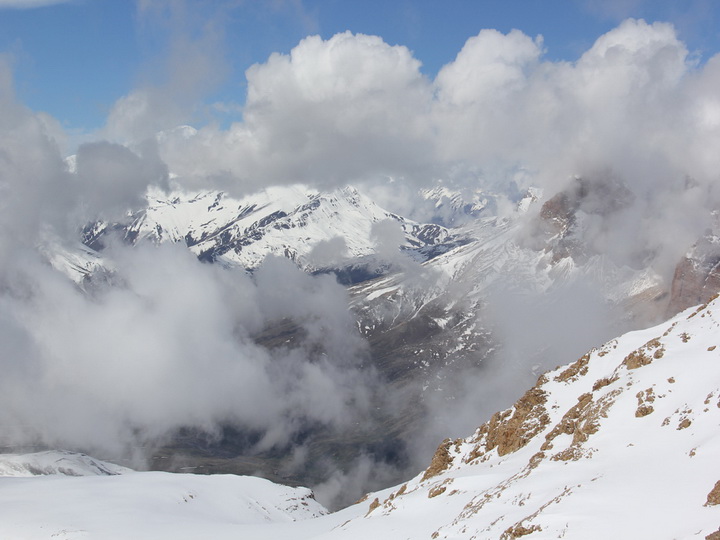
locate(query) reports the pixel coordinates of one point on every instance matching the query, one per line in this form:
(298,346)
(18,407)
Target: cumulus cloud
(330,111)
(354,109)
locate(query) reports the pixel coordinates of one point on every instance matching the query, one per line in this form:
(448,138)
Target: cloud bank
(353,108)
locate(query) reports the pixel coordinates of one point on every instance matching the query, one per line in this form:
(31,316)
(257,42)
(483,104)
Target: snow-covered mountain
(315,230)
(621,443)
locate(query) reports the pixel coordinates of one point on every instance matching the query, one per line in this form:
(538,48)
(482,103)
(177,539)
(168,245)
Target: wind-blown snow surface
(623,443)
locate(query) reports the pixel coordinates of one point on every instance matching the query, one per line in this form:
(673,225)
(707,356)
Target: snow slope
(90,503)
(623,443)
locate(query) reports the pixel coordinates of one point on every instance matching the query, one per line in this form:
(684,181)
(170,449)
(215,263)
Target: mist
(167,342)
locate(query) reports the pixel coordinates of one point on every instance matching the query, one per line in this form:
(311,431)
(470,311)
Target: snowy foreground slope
(623,443)
(75,496)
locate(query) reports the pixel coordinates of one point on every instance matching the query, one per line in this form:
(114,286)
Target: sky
(74,59)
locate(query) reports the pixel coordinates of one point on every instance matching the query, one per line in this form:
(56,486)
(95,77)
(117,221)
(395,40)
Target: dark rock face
(556,229)
(697,275)
(695,281)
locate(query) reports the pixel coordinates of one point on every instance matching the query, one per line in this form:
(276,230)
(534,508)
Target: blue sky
(74,59)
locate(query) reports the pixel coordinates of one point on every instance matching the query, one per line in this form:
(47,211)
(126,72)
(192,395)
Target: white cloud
(353,108)
(488,66)
(330,111)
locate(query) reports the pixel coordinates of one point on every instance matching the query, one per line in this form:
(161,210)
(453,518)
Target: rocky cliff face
(697,275)
(559,228)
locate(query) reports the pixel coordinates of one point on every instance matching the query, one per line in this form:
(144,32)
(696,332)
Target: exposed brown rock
(518,531)
(695,281)
(568,423)
(602,383)
(637,359)
(684,423)
(641,356)
(479,449)
(511,430)
(713,536)
(440,489)
(572,453)
(580,421)
(644,410)
(644,399)
(713,498)
(373,505)
(536,459)
(574,370)
(441,460)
